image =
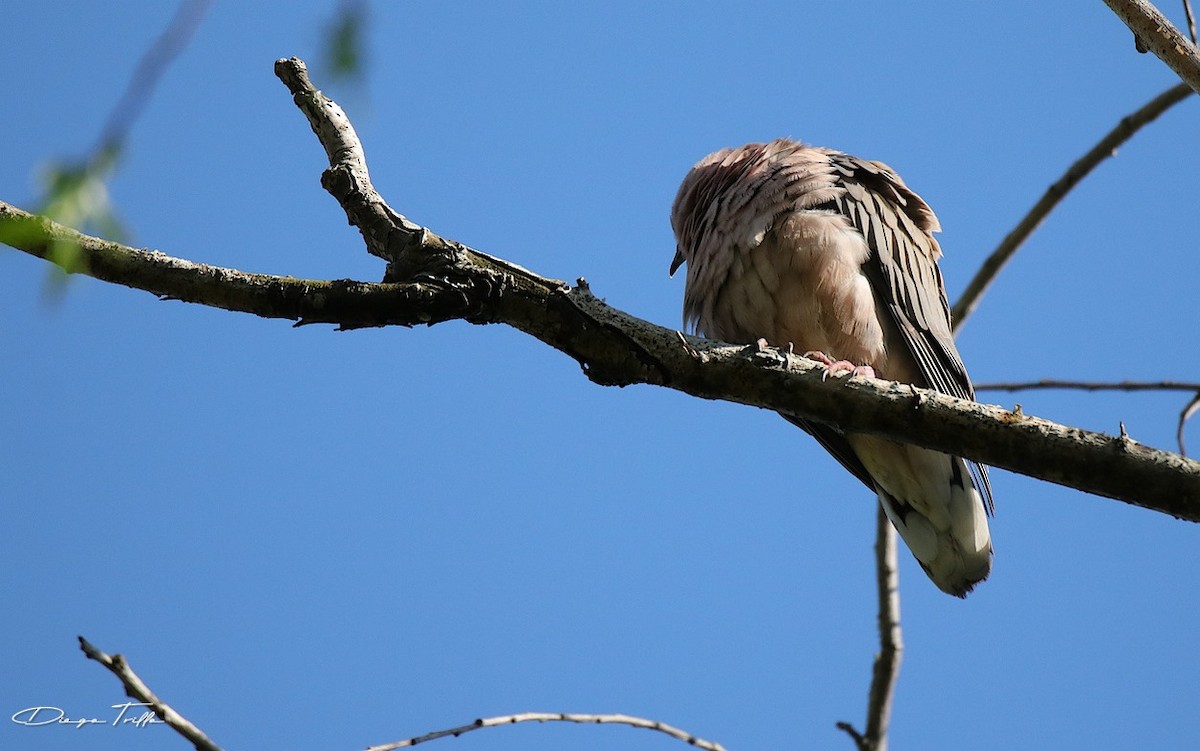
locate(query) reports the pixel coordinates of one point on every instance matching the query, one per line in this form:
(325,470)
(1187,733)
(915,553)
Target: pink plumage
(835,254)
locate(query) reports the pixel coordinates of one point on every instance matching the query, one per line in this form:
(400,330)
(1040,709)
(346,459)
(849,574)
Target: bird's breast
(802,283)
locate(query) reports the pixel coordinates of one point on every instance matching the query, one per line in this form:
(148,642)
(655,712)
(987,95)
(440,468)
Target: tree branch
(891,639)
(1190,409)
(1047,383)
(435,279)
(1160,36)
(617,349)
(891,642)
(150,68)
(349,304)
(1105,148)
(1050,383)
(136,689)
(592,719)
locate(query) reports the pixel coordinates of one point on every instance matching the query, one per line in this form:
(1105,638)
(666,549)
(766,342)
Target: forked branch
(435,280)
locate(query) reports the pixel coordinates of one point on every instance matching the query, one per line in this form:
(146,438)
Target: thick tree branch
(135,688)
(438,280)
(1105,148)
(1160,36)
(344,302)
(617,349)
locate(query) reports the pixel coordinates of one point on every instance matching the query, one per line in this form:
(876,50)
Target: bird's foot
(839,368)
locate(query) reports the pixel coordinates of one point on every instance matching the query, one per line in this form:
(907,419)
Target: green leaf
(344,41)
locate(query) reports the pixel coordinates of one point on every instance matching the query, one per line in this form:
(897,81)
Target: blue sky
(310,539)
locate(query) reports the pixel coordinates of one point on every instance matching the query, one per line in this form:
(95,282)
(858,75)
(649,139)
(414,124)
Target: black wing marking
(903,271)
(832,440)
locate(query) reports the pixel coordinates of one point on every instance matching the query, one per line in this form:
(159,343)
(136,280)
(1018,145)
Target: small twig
(859,741)
(592,719)
(1192,407)
(1105,148)
(1048,383)
(1191,20)
(135,688)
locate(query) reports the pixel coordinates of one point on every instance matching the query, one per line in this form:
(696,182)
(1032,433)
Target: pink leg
(839,368)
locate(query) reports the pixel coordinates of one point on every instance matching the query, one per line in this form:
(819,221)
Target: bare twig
(135,688)
(859,741)
(1192,407)
(1047,383)
(149,70)
(592,719)
(75,190)
(891,642)
(891,639)
(1105,148)
(1157,34)
(1050,383)
(1191,20)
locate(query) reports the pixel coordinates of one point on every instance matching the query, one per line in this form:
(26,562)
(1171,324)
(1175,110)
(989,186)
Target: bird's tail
(934,504)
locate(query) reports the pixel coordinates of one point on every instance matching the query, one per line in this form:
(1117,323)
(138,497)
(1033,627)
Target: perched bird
(835,256)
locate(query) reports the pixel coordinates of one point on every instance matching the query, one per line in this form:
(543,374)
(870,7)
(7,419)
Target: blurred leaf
(77,196)
(344,41)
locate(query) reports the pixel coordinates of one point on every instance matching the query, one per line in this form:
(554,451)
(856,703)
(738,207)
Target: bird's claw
(839,368)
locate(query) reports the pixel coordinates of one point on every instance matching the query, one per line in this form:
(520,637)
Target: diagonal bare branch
(137,689)
(150,68)
(1157,34)
(584,719)
(1106,147)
